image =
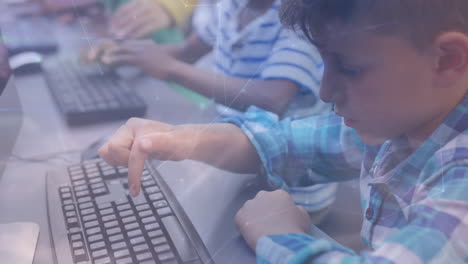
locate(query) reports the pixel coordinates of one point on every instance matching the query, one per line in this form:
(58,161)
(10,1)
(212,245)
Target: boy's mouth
(350,122)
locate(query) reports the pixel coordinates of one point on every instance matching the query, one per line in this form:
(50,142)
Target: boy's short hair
(420,21)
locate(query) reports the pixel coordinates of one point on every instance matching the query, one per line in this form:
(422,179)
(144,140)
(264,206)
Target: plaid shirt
(415,204)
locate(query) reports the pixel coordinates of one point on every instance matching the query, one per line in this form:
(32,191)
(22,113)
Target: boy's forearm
(221,145)
(192,49)
(272,95)
(175,50)
(189,51)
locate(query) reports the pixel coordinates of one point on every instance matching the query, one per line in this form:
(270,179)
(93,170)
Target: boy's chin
(371,139)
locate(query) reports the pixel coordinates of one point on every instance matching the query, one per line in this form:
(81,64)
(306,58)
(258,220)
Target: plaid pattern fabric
(415,204)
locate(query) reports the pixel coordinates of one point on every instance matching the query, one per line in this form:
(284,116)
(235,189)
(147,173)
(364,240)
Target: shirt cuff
(298,249)
(261,127)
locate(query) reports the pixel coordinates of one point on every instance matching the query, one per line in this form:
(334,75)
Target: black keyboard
(29,34)
(93,220)
(87,94)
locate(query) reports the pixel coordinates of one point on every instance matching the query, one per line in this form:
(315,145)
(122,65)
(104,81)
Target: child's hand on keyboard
(93,53)
(138,139)
(156,60)
(271,213)
(222,145)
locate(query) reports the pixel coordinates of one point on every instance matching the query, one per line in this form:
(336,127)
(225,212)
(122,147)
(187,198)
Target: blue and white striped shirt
(263,49)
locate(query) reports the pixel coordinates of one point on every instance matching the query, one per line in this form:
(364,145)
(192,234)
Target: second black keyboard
(87,94)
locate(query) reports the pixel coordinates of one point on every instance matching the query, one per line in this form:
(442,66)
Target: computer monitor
(11,114)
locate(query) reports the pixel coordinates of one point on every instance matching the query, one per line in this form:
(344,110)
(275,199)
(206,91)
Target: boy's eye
(349,71)
(338,66)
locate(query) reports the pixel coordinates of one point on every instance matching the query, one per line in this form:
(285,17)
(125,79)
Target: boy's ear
(451,57)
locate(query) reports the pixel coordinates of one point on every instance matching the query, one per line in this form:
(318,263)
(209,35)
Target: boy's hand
(156,60)
(132,143)
(271,213)
(138,18)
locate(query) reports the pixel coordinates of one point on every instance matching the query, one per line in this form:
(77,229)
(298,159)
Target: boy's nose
(330,89)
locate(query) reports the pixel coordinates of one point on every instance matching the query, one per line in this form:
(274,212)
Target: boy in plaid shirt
(397,72)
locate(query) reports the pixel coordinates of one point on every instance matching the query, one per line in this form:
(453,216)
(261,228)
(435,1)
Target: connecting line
(87,38)
(369,28)
(243,89)
(212,122)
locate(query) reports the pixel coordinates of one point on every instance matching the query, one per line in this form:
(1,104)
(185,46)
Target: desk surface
(209,196)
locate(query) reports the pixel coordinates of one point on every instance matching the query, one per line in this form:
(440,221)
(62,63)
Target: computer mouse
(26,62)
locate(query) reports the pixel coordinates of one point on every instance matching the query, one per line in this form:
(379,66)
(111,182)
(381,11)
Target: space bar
(181,241)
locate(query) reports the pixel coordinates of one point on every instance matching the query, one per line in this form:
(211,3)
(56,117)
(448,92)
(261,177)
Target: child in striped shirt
(256,61)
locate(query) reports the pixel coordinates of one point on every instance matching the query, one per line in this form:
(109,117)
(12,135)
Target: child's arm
(303,152)
(272,95)
(256,140)
(189,51)
(220,145)
(434,230)
(239,93)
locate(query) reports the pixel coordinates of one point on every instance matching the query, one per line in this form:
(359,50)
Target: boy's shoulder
(455,150)
(446,164)
(448,167)
(446,151)
(453,154)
